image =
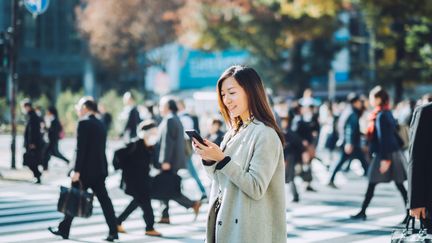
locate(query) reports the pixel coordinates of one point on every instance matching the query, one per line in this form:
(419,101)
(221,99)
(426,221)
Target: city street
(26,210)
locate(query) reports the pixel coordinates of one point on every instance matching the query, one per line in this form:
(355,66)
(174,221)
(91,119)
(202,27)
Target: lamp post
(13,75)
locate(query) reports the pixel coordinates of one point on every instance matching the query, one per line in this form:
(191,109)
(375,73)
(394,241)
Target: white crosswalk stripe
(27,210)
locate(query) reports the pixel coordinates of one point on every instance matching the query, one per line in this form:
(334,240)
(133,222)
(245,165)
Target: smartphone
(196,135)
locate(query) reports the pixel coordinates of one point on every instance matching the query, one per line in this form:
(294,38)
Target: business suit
(132,122)
(419,163)
(91,163)
(135,160)
(172,151)
(33,136)
(172,144)
(52,148)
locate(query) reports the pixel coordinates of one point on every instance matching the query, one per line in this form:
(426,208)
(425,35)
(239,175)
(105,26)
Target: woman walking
(388,161)
(247,201)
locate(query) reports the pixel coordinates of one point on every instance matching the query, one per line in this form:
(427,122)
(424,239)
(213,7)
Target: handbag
(75,202)
(411,235)
(31,157)
(166,185)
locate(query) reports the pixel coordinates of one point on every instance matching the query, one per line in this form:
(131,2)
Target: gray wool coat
(252,189)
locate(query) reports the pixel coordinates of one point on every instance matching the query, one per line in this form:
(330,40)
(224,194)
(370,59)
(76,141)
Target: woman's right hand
(384,166)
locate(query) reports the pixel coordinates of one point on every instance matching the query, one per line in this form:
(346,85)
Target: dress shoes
(120,229)
(153,233)
(111,237)
(361,216)
(332,185)
(196,207)
(58,232)
(164,221)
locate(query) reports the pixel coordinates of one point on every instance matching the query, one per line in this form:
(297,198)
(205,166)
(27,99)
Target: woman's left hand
(384,166)
(208,152)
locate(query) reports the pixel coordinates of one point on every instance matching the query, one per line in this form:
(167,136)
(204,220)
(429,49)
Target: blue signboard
(36,6)
(202,69)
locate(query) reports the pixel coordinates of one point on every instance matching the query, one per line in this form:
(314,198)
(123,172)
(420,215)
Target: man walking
(33,140)
(420,166)
(188,124)
(91,166)
(133,117)
(351,147)
(172,151)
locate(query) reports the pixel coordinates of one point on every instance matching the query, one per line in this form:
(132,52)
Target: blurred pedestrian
(188,124)
(33,140)
(55,133)
(419,166)
(134,160)
(215,134)
(293,150)
(133,117)
(303,125)
(247,201)
(91,167)
(388,162)
(172,152)
(351,145)
(105,117)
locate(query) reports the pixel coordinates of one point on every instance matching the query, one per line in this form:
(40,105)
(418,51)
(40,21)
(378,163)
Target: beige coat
(252,187)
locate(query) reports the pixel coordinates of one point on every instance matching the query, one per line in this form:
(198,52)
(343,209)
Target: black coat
(32,133)
(132,122)
(420,159)
(54,131)
(134,160)
(91,161)
(352,133)
(172,142)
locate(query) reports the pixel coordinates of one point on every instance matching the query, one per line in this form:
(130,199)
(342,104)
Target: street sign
(36,6)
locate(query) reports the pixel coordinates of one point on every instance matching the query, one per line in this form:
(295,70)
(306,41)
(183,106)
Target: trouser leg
(145,204)
(165,208)
(107,208)
(194,174)
(128,210)
(65,225)
(338,166)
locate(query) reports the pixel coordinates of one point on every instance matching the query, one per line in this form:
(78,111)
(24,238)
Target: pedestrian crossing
(27,210)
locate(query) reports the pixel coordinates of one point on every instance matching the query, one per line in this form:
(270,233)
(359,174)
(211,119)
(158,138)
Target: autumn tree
(267,29)
(119,33)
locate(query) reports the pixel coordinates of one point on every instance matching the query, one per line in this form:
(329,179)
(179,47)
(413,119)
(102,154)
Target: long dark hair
(258,104)
(379,92)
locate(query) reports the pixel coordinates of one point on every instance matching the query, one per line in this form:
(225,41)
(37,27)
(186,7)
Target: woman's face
(235,99)
(374,101)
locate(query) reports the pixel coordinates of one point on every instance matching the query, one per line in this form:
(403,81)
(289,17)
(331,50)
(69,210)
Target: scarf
(372,118)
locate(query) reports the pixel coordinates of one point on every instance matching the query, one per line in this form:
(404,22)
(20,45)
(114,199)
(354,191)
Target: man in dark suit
(420,166)
(91,166)
(33,140)
(172,151)
(133,116)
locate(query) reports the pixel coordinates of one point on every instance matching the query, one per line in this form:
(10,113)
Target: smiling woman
(247,171)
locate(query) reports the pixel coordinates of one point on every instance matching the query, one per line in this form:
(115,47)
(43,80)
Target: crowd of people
(370,129)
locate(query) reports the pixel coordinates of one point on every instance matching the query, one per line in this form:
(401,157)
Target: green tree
(401,36)
(267,29)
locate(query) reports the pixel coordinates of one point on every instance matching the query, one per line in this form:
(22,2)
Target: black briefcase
(411,235)
(166,185)
(75,202)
